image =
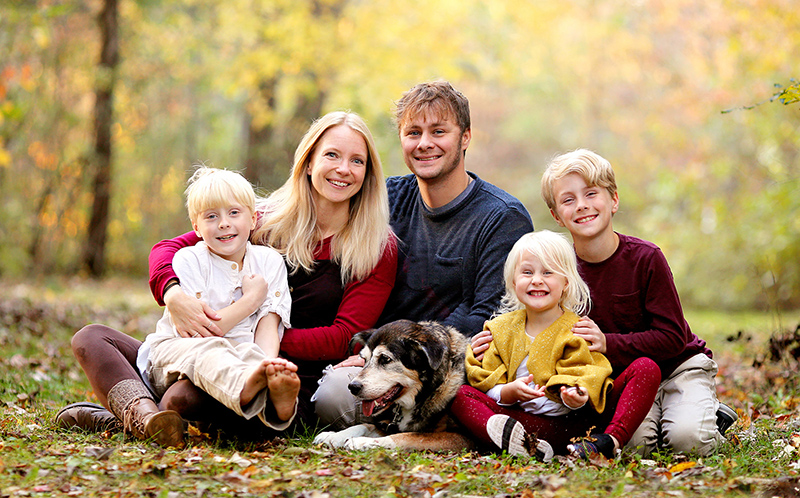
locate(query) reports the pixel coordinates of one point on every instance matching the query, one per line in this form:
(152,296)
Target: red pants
(627,404)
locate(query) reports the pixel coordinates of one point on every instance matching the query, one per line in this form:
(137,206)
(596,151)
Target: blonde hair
(210,188)
(289,221)
(555,254)
(595,170)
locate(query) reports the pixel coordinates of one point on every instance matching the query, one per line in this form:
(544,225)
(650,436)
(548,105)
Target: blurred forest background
(106,104)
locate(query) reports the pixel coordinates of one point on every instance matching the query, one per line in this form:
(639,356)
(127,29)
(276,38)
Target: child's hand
(255,288)
(591,333)
(480,343)
(520,390)
(574,397)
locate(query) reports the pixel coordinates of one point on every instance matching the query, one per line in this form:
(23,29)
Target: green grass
(38,375)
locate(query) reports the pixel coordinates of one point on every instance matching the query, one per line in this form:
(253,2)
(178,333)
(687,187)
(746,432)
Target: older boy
(455,231)
(636,310)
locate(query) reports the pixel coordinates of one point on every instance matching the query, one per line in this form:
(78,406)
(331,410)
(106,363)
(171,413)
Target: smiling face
(337,166)
(538,287)
(586,211)
(225,230)
(433,146)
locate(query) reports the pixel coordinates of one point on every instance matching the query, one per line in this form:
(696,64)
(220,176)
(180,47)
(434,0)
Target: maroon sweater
(325,314)
(636,305)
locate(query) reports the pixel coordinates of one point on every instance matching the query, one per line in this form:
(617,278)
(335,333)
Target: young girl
(539,379)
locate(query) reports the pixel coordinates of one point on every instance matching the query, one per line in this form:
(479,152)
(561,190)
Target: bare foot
(284,386)
(257,381)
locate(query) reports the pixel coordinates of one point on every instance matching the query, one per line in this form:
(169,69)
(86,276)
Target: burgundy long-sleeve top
(325,314)
(636,305)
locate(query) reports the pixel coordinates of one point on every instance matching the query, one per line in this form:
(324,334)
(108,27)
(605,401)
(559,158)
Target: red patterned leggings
(627,404)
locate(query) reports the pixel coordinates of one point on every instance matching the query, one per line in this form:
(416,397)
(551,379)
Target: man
(455,232)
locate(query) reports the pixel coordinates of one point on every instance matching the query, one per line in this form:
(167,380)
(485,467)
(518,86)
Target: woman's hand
(353,361)
(521,390)
(480,343)
(591,333)
(191,316)
(574,397)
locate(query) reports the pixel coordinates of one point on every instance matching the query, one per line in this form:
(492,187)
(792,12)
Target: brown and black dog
(412,373)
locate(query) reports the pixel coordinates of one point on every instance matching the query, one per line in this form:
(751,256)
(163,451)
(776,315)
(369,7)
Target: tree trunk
(94,252)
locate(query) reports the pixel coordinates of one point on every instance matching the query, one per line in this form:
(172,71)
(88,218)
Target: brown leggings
(108,357)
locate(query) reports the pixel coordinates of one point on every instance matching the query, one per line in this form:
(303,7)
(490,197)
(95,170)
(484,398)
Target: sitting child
(240,369)
(537,375)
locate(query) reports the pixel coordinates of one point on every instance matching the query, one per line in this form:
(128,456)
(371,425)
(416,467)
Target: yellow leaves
(680,467)
(5,156)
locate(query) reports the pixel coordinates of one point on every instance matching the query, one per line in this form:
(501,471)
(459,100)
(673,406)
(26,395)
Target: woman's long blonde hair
(289,215)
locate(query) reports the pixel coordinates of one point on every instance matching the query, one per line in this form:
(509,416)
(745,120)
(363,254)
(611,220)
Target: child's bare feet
(258,380)
(284,386)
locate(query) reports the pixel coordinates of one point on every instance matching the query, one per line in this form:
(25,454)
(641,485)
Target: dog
(413,371)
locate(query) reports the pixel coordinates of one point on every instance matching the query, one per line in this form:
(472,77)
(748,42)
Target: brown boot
(141,417)
(87,416)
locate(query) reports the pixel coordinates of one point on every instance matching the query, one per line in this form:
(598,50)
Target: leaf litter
(39,375)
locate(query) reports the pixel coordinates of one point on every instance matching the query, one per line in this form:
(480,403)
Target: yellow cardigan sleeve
(580,367)
(484,375)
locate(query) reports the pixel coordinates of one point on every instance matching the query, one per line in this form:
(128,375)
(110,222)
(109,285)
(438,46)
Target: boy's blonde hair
(595,170)
(557,255)
(290,217)
(211,188)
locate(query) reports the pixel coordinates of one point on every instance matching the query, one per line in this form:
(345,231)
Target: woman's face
(337,166)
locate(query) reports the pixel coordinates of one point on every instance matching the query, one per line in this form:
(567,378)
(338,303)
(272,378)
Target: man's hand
(586,329)
(480,343)
(191,316)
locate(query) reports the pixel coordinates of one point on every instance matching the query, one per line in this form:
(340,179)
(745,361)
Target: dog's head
(400,358)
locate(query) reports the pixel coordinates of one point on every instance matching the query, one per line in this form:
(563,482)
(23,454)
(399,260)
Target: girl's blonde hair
(210,188)
(557,255)
(289,221)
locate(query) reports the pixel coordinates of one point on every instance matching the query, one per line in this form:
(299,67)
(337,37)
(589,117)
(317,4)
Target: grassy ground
(38,375)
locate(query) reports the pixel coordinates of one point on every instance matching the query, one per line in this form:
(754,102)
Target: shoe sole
(166,428)
(509,435)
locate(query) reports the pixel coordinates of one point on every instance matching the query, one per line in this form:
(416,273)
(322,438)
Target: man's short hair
(595,170)
(438,98)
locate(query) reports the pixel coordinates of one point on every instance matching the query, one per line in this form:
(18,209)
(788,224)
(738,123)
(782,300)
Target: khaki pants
(335,406)
(216,365)
(684,414)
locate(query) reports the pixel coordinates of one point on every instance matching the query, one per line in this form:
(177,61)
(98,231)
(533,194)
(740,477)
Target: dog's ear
(432,352)
(359,339)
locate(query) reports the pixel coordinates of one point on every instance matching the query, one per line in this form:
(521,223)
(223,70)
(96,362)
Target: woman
(330,220)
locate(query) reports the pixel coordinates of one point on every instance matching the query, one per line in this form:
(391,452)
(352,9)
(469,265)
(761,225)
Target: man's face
(433,146)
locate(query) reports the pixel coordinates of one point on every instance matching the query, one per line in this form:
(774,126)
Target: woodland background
(105,105)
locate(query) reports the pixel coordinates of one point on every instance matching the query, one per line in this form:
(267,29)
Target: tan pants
(216,365)
(684,413)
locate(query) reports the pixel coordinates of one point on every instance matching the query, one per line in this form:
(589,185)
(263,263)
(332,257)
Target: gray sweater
(450,261)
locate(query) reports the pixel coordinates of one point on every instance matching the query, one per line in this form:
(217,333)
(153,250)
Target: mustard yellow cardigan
(556,357)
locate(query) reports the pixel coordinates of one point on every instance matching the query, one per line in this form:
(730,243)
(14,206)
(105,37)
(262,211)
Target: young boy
(636,311)
(240,369)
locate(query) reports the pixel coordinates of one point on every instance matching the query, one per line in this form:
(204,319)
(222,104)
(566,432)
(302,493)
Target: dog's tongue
(367,407)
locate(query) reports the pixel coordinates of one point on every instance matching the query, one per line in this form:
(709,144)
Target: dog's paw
(326,438)
(367,443)
(339,439)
